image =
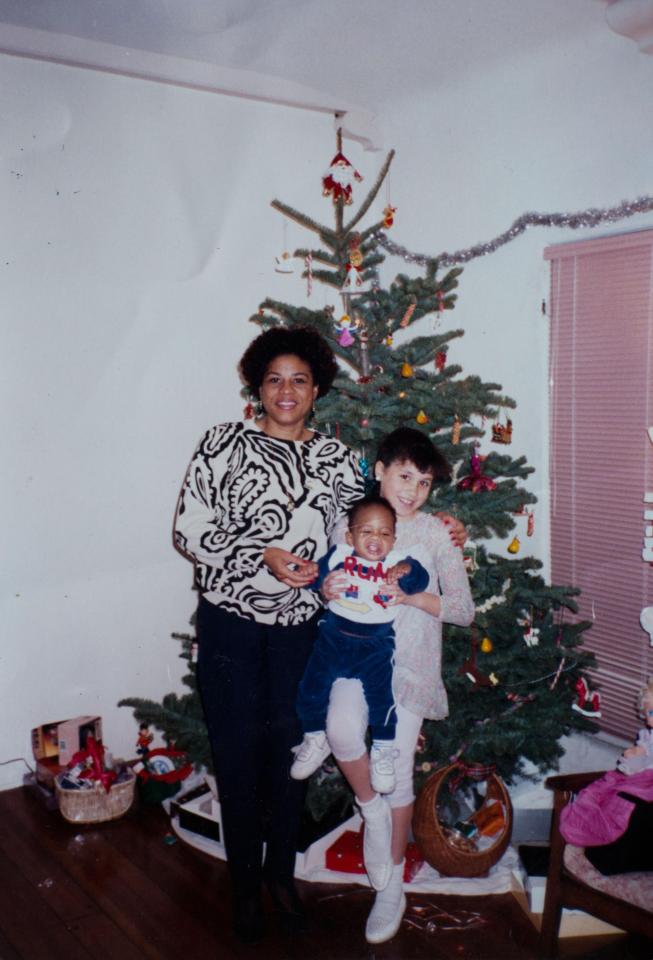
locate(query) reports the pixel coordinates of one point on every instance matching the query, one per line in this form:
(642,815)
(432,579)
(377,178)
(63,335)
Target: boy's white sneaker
(388,910)
(310,755)
(382,766)
(377,838)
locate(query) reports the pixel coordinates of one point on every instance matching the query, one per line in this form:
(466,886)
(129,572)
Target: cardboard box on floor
(57,742)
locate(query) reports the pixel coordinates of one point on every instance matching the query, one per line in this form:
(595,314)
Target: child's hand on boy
(395,594)
(457,530)
(399,570)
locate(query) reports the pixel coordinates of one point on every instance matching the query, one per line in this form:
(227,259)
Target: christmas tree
(515,679)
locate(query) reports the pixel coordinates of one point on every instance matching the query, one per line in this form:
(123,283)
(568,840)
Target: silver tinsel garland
(584,218)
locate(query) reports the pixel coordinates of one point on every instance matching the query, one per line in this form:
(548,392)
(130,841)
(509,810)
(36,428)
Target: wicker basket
(437,847)
(96,805)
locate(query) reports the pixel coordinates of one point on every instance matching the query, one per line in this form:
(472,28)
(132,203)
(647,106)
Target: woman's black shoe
(287,905)
(249,919)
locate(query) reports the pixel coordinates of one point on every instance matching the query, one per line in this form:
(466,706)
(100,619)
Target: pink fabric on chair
(598,815)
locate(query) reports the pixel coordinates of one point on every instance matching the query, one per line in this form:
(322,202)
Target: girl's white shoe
(388,910)
(377,839)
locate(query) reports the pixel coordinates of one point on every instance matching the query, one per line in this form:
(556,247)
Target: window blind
(601,459)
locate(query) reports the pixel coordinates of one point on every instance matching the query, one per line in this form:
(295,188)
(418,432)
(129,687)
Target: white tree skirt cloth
(505,876)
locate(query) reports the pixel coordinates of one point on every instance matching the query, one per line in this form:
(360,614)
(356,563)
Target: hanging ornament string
(546,676)
(583,218)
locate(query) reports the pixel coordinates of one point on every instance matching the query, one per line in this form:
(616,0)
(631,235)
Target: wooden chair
(572,879)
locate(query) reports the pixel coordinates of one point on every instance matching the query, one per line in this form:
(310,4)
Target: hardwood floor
(122,891)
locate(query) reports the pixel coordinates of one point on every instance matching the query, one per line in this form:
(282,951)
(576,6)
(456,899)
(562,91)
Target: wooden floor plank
(103,939)
(118,891)
(56,886)
(148,916)
(29,924)
(7,950)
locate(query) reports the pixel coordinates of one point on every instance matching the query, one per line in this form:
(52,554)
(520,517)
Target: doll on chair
(640,756)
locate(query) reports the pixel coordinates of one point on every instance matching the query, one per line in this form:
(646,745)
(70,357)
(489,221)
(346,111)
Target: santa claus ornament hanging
(588,702)
(337,182)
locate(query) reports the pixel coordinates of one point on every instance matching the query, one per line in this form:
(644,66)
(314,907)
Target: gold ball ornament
(421,417)
(514,545)
(406,370)
(486,645)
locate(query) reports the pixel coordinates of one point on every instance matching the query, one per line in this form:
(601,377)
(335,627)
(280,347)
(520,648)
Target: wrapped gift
(58,741)
(345,855)
(414,862)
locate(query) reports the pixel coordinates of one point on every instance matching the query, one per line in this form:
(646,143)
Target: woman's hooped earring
(258,410)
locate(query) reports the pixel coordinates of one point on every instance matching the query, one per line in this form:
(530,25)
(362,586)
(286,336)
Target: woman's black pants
(248,674)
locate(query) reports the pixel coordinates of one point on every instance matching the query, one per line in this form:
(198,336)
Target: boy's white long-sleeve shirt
(417,678)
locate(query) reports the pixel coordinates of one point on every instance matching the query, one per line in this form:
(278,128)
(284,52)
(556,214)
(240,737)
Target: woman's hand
(334,584)
(290,569)
(457,530)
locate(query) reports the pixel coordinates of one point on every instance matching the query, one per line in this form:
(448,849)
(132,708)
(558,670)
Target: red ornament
(337,181)
(389,216)
(365,422)
(588,701)
(502,433)
(470,670)
(440,360)
(476,481)
(248,412)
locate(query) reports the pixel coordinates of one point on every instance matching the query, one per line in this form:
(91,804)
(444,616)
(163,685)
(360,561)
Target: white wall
(138,238)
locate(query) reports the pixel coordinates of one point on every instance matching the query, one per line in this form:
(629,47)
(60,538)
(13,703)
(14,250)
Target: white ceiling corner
(341,58)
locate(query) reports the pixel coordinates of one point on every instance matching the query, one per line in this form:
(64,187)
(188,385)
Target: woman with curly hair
(257,508)
(255,512)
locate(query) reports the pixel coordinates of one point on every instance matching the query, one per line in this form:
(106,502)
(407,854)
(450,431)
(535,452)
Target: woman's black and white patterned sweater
(245,491)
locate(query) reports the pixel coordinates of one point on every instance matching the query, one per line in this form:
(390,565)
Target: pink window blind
(601,459)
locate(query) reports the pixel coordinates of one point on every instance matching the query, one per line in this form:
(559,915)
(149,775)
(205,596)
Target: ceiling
(341,56)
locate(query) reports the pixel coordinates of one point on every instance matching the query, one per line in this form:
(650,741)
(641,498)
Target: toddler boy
(356,637)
